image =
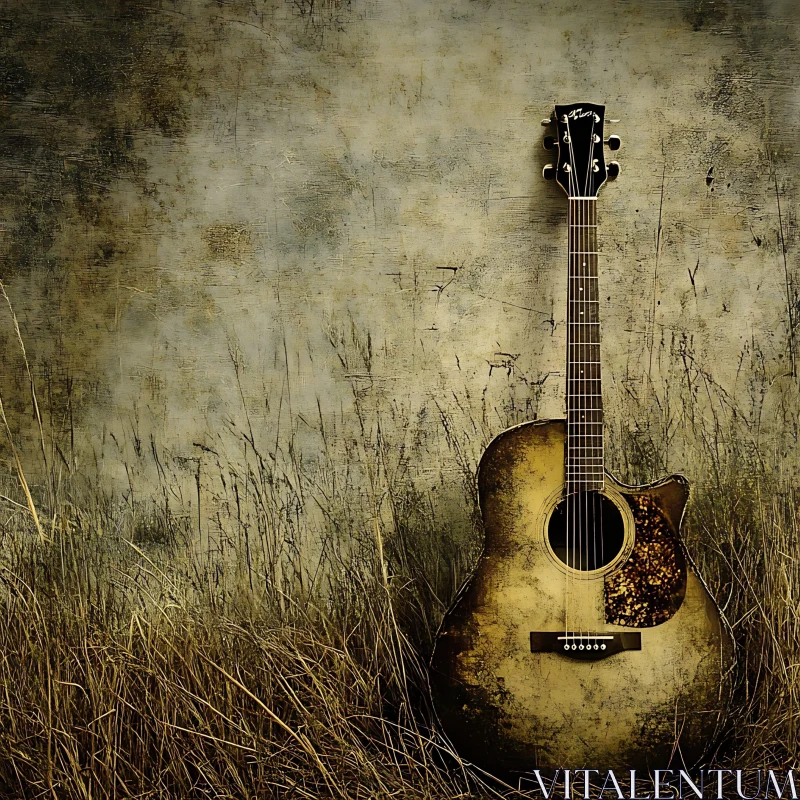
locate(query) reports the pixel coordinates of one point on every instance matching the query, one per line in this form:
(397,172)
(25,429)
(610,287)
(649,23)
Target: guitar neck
(584,455)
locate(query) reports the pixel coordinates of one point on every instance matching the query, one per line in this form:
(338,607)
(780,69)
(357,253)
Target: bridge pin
(602,647)
(566,647)
(574,647)
(596,646)
(580,647)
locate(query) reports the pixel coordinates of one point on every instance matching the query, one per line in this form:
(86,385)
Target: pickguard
(649,587)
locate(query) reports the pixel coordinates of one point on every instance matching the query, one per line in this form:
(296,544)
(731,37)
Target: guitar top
(585,635)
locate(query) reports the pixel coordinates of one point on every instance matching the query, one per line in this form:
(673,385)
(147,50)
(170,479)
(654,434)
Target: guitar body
(509,706)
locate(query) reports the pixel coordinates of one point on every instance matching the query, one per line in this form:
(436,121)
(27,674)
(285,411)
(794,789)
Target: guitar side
(509,709)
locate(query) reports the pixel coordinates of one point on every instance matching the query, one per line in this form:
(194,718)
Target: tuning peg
(613,142)
(549,172)
(546,122)
(613,170)
(549,142)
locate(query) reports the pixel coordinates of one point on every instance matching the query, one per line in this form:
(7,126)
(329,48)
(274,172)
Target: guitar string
(586,329)
(574,504)
(585,348)
(580,461)
(582,402)
(586,306)
(578,495)
(568,498)
(577,389)
(585,247)
(583,240)
(579,466)
(580,243)
(570,510)
(587,386)
(587,335)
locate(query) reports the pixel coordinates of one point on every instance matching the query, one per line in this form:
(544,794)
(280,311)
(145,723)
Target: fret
(593,474)
(592,470)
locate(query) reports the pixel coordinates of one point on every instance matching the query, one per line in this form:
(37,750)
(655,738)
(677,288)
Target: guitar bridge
(585,646)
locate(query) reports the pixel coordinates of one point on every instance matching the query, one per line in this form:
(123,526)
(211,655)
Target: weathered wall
(339,199)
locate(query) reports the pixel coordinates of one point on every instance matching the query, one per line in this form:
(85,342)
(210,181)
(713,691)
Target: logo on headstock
(579,113)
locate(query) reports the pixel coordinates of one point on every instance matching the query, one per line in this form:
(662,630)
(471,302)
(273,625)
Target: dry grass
(272,643)
(744,529)
(120,687)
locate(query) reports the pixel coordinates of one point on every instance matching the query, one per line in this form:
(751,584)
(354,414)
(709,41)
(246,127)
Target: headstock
(581,167)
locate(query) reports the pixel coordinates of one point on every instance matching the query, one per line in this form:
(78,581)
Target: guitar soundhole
(586,531)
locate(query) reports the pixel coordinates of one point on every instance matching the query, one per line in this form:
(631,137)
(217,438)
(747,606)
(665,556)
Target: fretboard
(584,454)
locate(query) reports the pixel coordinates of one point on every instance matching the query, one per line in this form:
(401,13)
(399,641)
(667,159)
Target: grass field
(273,642)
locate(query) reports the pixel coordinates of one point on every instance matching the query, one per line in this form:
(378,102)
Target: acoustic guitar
(585,636)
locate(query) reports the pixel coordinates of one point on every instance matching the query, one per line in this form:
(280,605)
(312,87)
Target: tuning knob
(546,122)
(613,170)
(549,172)
(549,142)
(614,142)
